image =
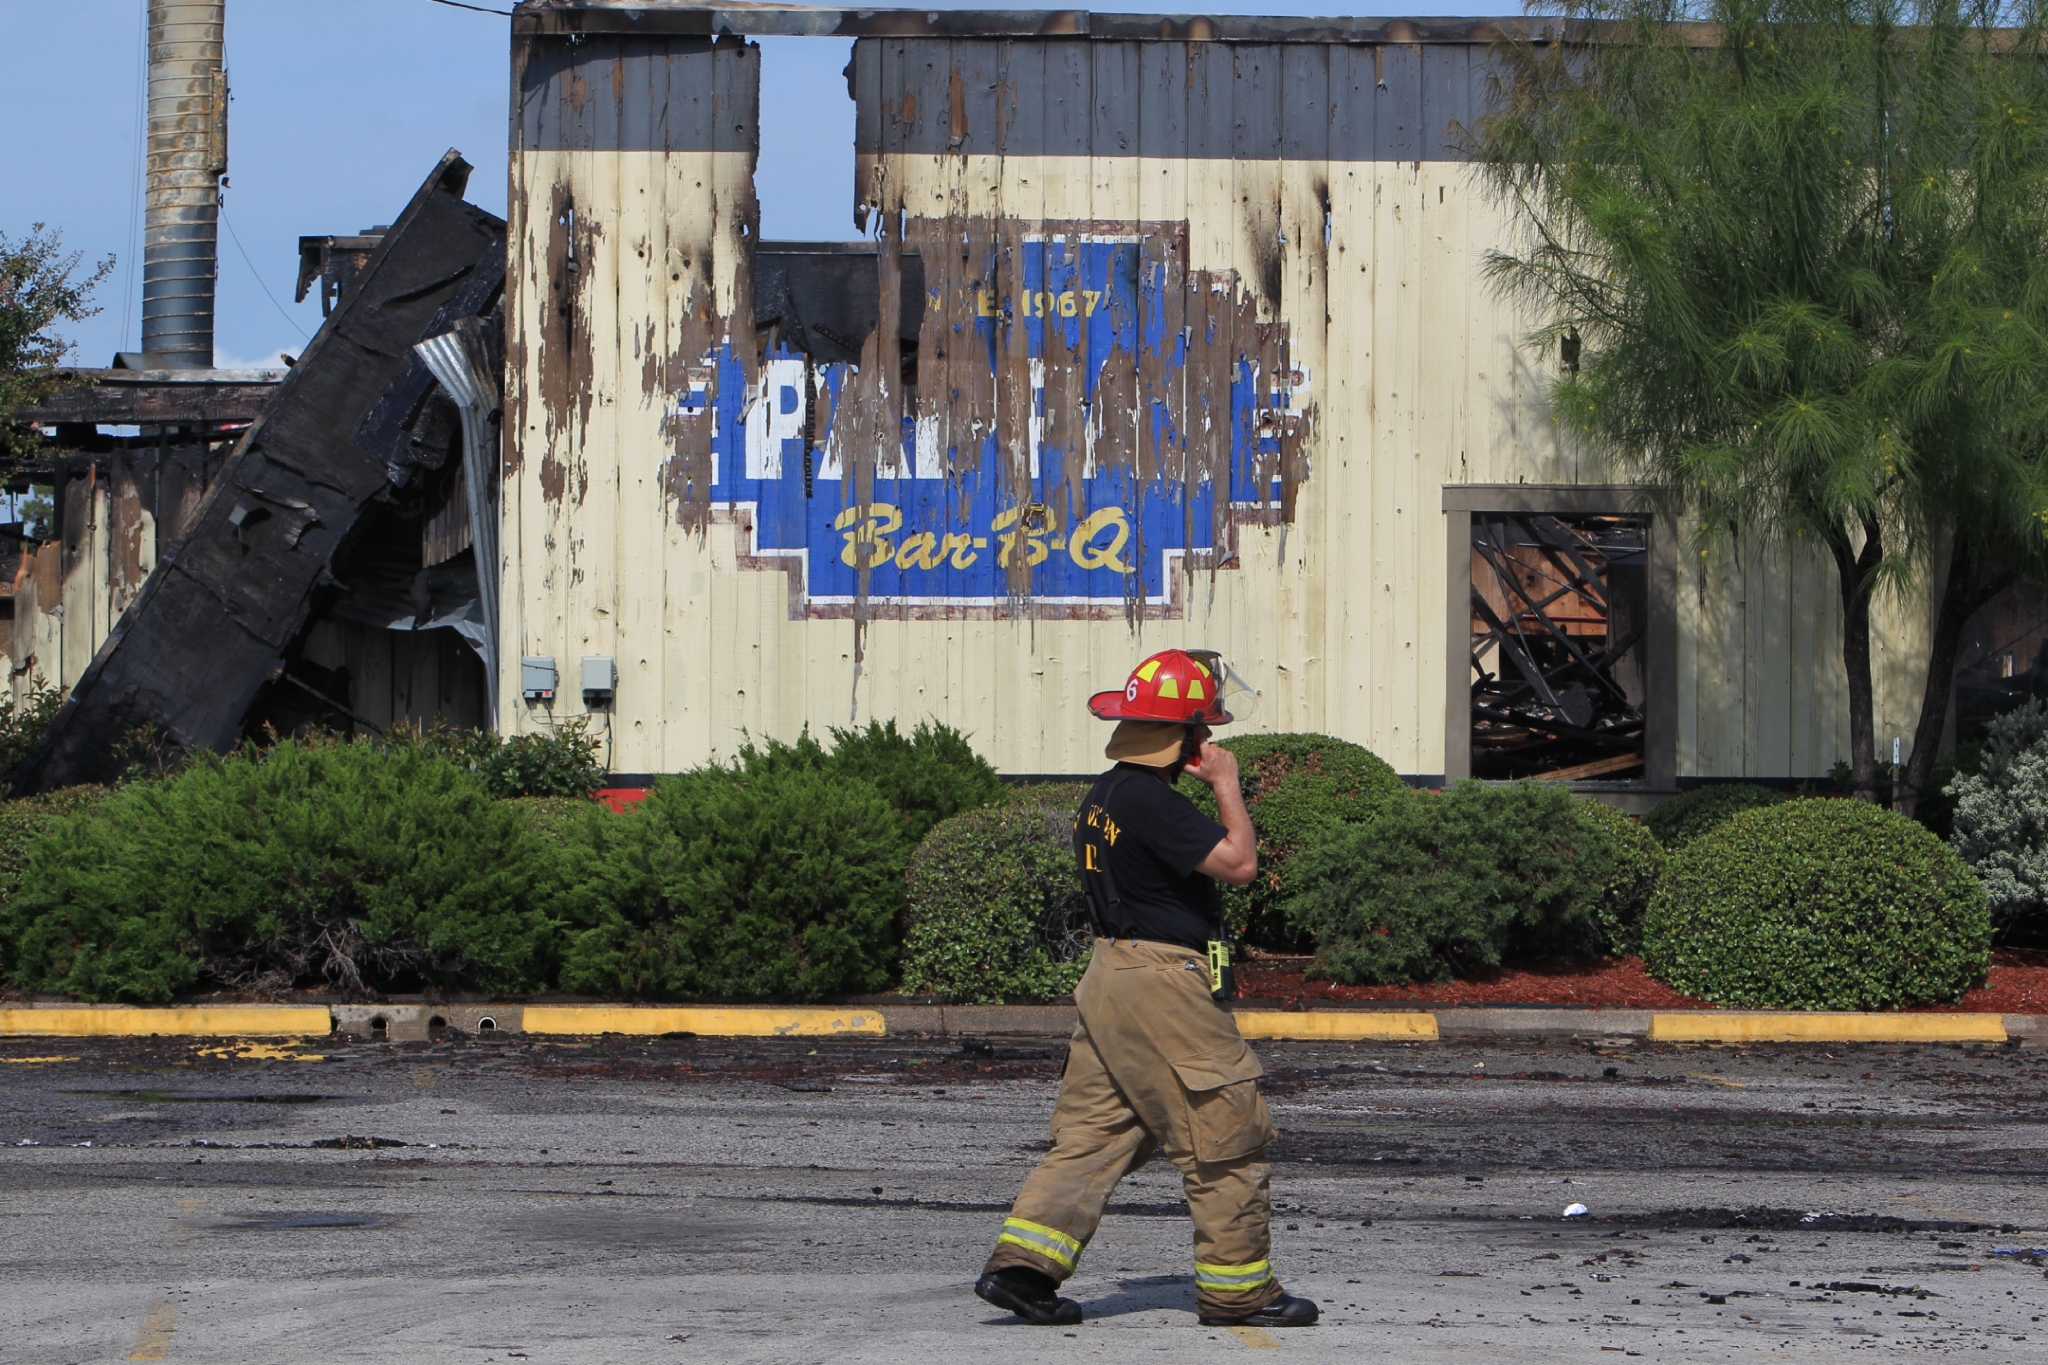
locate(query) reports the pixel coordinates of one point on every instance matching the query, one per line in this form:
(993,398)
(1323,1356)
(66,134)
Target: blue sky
(340,108)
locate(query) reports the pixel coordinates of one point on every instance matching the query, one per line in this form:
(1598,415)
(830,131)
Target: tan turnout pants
(1155,1066)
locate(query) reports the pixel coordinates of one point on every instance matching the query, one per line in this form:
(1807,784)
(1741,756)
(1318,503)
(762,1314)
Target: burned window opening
(823,299)
(1560,608)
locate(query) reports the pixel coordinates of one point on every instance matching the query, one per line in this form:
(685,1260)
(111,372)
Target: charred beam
(157,397)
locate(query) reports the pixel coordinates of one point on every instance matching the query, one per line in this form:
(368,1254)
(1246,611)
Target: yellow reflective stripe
(1036,1248)
(1049,1242)
(1057,1237)
(1233,1279)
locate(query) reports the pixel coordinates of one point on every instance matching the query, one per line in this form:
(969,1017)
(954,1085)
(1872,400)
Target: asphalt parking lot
(693,1200)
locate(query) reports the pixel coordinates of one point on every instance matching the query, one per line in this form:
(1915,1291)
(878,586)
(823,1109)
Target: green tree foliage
(347,867)
(2001,821)
(1685,817)
(1451,885)
(927,775)
(40,290)
(1818,904)
(1296,787)
(994,908)
(1802,256)
(778,884)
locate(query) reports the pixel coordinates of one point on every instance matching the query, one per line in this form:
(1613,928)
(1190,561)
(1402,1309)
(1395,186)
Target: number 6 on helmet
(1178,687)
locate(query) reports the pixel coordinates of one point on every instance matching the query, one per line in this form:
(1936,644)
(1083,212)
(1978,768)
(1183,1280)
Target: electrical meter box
(537,677)
(600,679)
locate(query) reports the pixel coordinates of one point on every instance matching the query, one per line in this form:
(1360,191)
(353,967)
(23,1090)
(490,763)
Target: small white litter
(1576,1211)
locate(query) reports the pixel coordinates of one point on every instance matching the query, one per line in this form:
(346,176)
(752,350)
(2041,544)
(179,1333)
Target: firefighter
(1156,1065)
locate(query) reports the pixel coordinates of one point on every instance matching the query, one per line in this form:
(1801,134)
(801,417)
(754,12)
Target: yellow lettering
(1088,858)
(1045,303)
(1087,554)
(919,551)
(1110,830)
(958,549)
(867,543)
(1029,535)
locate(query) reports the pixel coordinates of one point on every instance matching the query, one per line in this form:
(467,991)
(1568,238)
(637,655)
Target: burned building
(1174,333)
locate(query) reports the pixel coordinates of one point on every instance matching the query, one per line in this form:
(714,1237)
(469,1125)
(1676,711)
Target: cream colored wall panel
(84,592)
(1768,663)
(639,565)
(593,515)
(1343,395)
(1399,472)
(1304,171)
(1723,725)
(1691,655)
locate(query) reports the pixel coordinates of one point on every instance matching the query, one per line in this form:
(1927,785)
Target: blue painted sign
(933,542)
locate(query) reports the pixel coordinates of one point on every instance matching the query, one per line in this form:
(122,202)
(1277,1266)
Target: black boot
(1029,1294)
(1285,1311)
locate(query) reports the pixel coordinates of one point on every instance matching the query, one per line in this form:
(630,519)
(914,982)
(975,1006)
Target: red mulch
(2018,985)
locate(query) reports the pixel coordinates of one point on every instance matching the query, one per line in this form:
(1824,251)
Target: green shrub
(560,762)
(995,909)
(738,885)
(1296,787)
(1818,904)
(1690,814)
(1634,861)
(559,820)
(928,775)
(21,824)
(2001,821)
(345,866)
(23,723)
(1439,886)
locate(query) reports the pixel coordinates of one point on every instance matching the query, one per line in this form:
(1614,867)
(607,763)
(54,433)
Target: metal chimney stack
(188,154)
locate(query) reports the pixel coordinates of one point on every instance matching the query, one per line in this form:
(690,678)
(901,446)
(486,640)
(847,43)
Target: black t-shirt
(1137,842)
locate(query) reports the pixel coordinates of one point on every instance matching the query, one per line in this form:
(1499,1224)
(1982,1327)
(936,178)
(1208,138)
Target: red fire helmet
(1176,686)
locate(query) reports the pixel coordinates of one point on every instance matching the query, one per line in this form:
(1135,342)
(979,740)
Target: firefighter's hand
(1215,765)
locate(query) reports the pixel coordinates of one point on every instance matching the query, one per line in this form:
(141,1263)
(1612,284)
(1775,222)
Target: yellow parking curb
(765,1021)
(1731,1027)
(1338,1026)
(208,1021)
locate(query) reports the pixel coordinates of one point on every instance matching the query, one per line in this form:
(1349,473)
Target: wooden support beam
(157,397)
(1599,767)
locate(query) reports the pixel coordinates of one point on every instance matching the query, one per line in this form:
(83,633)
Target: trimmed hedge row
(372,867)
(800,871)
(351,866)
